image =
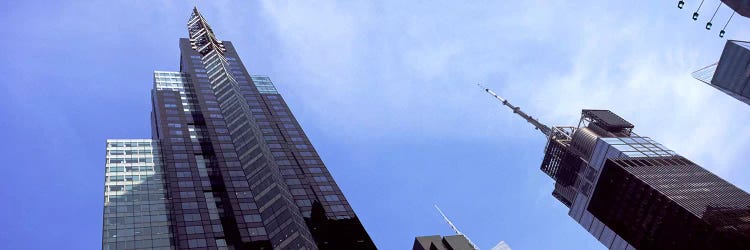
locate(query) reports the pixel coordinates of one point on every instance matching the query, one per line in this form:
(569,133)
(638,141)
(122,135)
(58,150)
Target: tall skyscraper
(631,192)
(238,171)
(731,74)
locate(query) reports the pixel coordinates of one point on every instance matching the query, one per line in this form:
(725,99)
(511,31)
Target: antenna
(538,125)
(455,229)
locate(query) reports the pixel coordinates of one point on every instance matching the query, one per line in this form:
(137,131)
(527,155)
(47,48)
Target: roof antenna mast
(455,229)
(538,125)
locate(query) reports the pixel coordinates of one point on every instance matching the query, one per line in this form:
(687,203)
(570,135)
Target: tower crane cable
(709,24)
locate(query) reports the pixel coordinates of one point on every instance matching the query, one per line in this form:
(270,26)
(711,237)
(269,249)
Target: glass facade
(730,74)
(135,208)
(456,242)
(631,192)
(234,169)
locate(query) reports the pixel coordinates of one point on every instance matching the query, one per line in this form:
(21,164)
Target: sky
(386,91)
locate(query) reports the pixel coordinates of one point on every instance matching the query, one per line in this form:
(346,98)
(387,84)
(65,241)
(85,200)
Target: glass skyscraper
(731,74)
(135,208)
(238,171)
(631,192)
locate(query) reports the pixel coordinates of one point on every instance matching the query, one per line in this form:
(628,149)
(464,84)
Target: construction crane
(538,125)
(454,228)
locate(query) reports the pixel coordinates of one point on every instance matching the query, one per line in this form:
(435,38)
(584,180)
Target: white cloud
(410,70)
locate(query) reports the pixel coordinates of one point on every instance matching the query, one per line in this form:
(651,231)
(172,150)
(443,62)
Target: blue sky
(385,91)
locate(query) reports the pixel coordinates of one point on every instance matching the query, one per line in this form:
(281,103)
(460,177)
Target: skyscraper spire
(455,229)
(202,38)
(538,125)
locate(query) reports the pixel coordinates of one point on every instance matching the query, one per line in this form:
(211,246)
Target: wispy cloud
(418,81)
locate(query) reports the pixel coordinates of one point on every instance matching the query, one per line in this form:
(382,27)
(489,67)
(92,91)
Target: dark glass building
(731,74)
(631,192)
(435,242)
(238,170)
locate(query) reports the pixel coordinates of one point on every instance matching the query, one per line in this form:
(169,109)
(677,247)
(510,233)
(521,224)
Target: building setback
(238,170)
(631,192)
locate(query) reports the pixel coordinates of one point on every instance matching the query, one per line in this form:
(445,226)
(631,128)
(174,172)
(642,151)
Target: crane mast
(538,125)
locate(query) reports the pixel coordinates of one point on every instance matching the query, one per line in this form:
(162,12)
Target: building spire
(538,125)
(202,37)
(455,229)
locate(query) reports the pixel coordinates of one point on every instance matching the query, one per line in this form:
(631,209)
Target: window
(240,184)
(255,231)
(221,243)
(304,203)
(298,191)
(338,208)
(293,181)
(252,218)
(270,138)
(301,146)
(195,243)
(326,188)
(248,206)
(189,205)
(315,170)
(320,179)
(189,194)
(192,217)
(305,153)
(194,229)
(332,198)
(287,172)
